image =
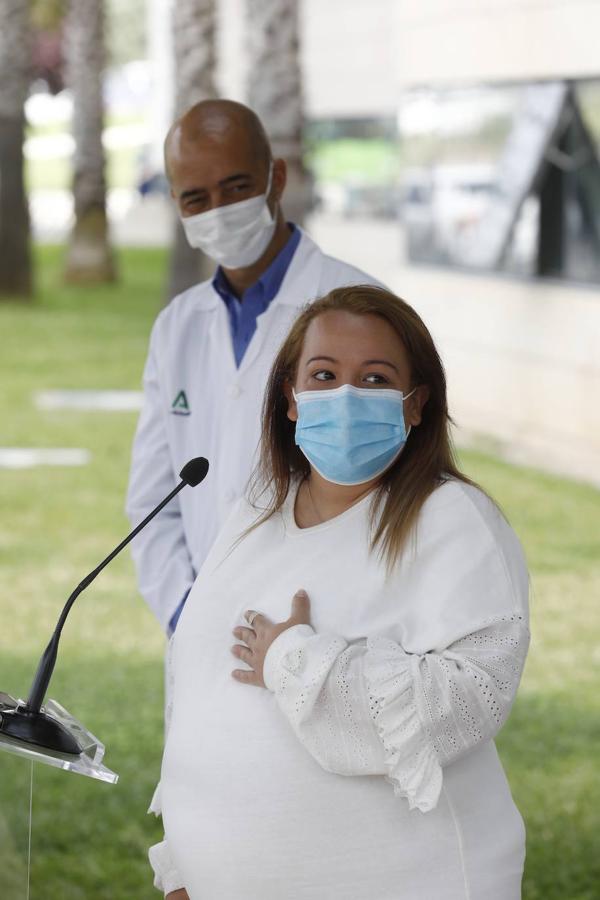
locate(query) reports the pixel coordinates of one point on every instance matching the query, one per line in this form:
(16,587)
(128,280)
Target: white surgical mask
(235,235)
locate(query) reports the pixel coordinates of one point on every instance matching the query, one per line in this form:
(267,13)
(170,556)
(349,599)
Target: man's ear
(279,178)
(292,411)
(413,408)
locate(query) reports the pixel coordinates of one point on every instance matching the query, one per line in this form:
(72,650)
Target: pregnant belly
(248,812)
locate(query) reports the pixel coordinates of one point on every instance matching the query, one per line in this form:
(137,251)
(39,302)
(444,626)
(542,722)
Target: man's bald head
(223,122)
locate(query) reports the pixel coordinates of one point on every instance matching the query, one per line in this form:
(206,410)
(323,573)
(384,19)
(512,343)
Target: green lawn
(90,839)
(372,160)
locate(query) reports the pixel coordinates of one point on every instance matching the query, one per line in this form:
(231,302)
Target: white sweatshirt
(367,770)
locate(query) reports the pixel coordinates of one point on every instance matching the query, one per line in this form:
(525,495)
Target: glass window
(503,178)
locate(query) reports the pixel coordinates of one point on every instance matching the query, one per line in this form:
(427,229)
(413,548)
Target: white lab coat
(191,350)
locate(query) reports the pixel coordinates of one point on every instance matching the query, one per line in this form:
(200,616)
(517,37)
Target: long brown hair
(428,456)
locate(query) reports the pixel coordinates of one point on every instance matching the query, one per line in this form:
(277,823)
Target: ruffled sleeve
(411,764)
(166,876)
(371,708)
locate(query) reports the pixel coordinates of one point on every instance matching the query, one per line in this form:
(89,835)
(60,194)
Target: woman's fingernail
(301,593)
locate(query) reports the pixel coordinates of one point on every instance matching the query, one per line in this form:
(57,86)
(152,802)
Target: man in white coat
(212,347)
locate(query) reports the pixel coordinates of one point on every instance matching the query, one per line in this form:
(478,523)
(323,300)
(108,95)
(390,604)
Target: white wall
(347,52)
(358,55)
(523,365)
(450,41)
(349,57)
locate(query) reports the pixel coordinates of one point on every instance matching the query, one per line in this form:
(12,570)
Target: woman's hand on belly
(259,636)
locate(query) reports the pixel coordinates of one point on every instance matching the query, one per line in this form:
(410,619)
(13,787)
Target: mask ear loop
(268,190)
(403,399)
(269,179)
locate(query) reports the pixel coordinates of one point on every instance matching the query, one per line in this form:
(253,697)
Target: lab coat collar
(299,286)
(305,268)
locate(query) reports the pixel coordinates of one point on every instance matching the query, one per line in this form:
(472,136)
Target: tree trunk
(194,48)
(89,256)
(15,55)
(275,90)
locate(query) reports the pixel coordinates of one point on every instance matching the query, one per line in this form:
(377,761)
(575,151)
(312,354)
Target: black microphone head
(194,471)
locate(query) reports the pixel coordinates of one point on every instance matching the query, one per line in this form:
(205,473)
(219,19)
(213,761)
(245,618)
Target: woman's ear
(292,411)
(413,408)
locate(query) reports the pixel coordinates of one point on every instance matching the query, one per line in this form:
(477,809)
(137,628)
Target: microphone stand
(27,721)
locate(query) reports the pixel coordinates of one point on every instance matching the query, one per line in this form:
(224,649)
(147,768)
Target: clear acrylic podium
(18,762)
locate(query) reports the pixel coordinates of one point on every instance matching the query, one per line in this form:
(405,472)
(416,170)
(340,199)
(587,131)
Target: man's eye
(323,375)
(194,204)
(238,189)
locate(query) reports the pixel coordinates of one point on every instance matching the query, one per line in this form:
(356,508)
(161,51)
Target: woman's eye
(323,375)
(374,378)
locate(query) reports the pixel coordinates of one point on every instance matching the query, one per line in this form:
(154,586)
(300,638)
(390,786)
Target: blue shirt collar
(270,280)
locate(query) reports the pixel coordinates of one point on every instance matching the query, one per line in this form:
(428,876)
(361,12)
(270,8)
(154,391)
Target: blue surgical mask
(351,435)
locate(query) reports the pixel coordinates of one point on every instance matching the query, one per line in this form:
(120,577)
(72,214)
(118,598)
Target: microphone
(26,721)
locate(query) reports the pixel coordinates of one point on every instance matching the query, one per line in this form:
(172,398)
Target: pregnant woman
(375,603)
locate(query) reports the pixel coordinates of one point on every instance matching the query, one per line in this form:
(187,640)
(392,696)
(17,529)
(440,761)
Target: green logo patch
(180,405)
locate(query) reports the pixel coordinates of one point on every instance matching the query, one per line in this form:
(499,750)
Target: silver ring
(250,617)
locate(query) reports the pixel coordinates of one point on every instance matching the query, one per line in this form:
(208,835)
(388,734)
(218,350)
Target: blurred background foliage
(126,31)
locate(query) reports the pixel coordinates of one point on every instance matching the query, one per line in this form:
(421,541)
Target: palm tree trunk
(275,90)
(15,56)
(194,47)
(89,256)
